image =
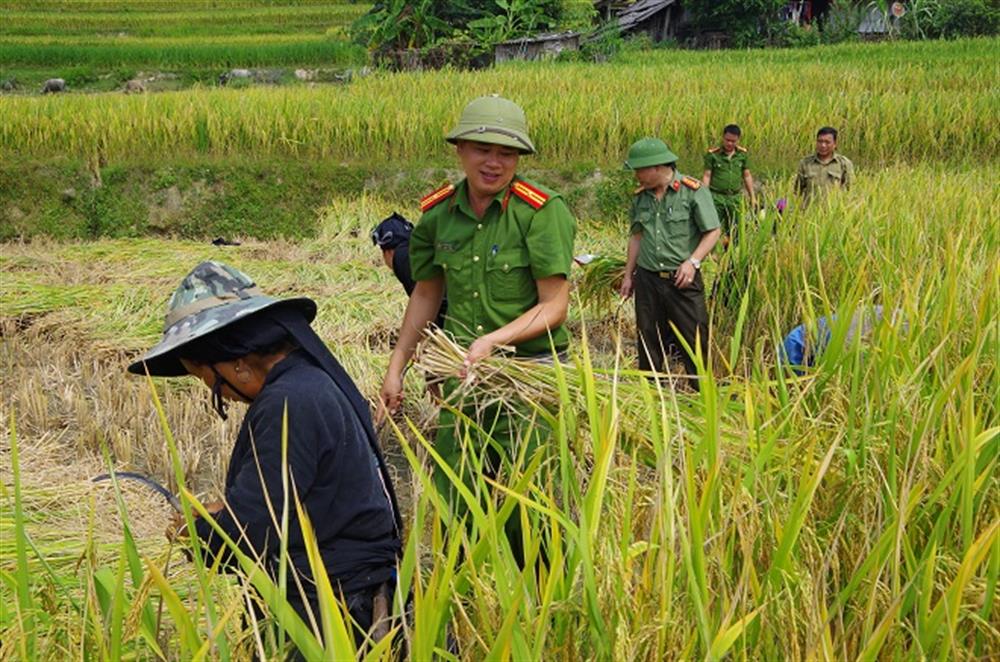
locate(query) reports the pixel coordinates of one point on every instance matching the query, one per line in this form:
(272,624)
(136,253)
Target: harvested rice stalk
(601,280)
(500,378)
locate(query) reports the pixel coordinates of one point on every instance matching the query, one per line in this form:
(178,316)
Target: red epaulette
(741,148)
(529,194)
(713,150)
(437,196)
(691,183)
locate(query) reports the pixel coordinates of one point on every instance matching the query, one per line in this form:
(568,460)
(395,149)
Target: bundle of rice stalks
(514,380)
(601,280)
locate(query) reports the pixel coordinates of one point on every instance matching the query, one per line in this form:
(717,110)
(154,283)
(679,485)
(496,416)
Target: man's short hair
(733,129)
(827,131)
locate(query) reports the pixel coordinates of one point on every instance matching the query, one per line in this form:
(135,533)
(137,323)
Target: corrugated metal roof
(640,11)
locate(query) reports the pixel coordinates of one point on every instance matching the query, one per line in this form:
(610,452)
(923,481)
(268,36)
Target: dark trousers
(658,303)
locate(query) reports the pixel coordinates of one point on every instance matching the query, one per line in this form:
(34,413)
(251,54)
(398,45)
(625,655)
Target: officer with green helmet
(502,247)
(674,226)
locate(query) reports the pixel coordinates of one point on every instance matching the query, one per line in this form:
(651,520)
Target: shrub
(964,18)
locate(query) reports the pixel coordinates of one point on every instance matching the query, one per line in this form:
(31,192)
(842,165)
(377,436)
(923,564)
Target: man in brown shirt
(825,170)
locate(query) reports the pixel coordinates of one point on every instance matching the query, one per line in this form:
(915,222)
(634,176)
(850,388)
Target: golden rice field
(848,513)
(911,102)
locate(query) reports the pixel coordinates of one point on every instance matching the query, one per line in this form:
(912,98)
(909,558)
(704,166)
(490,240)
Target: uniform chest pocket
(644,218)
(835,174)
(454,267)
(678,218)
(508,276)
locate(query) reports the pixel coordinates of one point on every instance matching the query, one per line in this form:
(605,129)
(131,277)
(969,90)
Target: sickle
(145,480)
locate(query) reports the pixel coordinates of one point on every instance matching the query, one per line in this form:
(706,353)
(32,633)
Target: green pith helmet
(493,120)
(209,298)
(649,152)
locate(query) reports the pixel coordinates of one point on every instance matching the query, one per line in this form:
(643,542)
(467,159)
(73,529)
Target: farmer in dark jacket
(252,348)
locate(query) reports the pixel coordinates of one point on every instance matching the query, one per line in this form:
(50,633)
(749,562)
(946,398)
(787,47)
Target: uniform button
(479,227)
(475,258)
(475,295)
(506,267)
(479,328)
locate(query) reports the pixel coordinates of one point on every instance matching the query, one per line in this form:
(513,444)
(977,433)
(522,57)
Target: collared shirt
(490,264)
(814,176)
(727,170)
(672,226)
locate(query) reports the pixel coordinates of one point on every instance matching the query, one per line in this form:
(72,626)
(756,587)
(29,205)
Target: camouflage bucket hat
(212,296)
(649,152)
(496,121)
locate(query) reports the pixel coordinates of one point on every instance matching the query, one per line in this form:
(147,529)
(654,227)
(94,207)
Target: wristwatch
(695,261)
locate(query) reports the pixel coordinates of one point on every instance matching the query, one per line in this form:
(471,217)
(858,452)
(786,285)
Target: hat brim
(163,361)
(635,164)
(492,138)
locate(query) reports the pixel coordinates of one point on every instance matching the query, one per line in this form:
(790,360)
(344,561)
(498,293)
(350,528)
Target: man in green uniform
(825,170)
(727,174)
(674,227)
(502,247)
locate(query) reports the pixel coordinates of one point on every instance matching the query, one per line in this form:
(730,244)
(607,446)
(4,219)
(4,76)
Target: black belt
(662,274)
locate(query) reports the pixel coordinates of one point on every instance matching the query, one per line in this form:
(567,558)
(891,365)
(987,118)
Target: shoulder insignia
(639,190)
(437,196)
(741,148)
(529,194)
(691,183)
(713,150)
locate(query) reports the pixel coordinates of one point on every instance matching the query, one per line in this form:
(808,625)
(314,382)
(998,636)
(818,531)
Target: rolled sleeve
(422,250)
(550,240)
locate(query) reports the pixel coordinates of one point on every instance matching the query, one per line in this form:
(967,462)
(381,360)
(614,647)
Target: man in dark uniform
(674,227)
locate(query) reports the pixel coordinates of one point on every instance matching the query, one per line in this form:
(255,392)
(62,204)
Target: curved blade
(145,480)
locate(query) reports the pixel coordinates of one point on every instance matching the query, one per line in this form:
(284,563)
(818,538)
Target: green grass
(180,52)
(214,21)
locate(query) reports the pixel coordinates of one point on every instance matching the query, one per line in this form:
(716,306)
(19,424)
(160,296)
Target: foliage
(514,18)
(396,24)
(964,18)
(577,15)
(746,21)
(782,34)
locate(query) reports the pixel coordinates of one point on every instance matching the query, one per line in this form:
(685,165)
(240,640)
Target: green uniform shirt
(490,265)
(815,176)
(672,226)
(727,171)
